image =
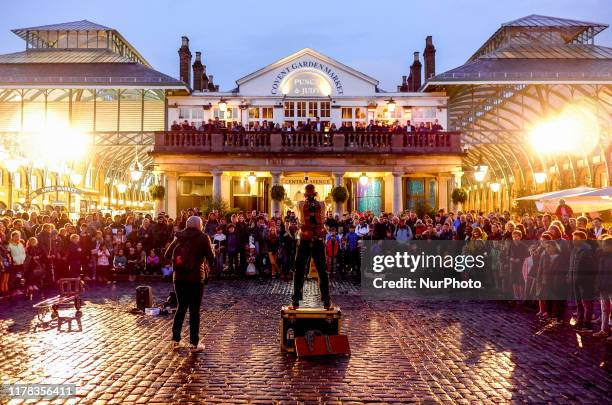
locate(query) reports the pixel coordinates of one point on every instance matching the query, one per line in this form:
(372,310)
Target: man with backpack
(188,251)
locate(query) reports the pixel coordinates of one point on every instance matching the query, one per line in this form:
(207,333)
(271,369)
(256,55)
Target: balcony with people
(310,136)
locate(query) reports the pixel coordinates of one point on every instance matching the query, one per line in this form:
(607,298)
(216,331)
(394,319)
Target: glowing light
(76,178)
(222,105)
(104,200)
(252,178)
(391,105)
(479,175)
(56,142)
(494,187)
(136,170)
(121,202)
(12,165)
(575,130)
(539,177)
(121,188)
(363,179)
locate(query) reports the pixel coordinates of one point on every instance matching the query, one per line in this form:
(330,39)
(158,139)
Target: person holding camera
(311,244)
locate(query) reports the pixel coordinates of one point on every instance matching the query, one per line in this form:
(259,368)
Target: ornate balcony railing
(307,142)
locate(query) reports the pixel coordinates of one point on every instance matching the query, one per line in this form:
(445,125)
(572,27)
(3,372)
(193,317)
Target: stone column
(171,192)
(338,207)
(216,186)
(443,192)
(276,205)
(398,193)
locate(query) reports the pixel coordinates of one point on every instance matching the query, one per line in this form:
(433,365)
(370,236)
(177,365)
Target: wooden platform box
(297,322)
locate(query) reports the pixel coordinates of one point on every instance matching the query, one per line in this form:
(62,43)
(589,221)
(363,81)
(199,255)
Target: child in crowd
(103,262)
(152,266)
(133,263)
(219,243)
(251,269)
(120,262)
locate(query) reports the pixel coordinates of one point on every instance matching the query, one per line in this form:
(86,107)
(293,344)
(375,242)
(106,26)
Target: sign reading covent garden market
(306,83)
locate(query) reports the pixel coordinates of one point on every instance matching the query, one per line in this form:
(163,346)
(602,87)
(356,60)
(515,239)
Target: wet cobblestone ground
(403,352)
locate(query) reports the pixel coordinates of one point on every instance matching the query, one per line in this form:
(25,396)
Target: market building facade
(277,106)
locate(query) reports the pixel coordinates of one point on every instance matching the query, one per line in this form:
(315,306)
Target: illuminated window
(34,182)
(289,109)
(301,109)
(419,191)
(369,196)
(254,113)
(267,113)
(312,109)
(325,109)
(347,113)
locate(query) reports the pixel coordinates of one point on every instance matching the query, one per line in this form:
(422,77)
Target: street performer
(311,244)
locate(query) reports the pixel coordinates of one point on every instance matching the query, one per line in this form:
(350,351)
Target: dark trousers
(305,250)
(189,296)
(583,293)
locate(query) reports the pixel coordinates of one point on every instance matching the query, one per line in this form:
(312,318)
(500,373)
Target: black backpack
(184,258)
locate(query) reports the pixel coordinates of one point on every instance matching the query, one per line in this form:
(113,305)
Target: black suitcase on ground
(144,297)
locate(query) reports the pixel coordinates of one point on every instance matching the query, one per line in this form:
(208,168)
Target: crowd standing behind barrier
(37,249)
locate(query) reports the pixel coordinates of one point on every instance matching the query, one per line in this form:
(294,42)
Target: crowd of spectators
(309,125)
(38,249)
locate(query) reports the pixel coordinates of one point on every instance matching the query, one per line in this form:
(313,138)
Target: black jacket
(203,250)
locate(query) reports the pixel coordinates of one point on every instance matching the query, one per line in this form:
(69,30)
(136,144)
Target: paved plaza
(403,352)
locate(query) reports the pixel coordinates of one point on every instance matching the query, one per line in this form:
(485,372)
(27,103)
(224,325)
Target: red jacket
(568,210)
(331,247)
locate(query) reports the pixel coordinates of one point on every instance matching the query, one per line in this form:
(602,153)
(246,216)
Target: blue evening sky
(239,37)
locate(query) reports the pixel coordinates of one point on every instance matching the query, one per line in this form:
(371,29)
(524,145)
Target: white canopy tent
(594,200)
(556,194)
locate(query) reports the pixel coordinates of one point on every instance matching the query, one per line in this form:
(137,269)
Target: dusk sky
(239,37)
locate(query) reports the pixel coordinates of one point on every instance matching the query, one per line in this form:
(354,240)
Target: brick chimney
(198,71)
(415,72)
(204,79)
(211,84)
(404,83)
(185,61)
(429,57)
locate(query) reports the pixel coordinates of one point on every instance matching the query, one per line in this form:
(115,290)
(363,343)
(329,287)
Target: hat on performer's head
(309,190)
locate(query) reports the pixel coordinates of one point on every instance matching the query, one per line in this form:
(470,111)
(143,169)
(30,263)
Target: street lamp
(479,175)
(363,179)
(252,178)
(136,172)
(222,105)
(480,170)
(391,105)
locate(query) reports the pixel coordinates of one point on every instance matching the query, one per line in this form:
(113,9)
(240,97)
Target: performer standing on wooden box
(311,244)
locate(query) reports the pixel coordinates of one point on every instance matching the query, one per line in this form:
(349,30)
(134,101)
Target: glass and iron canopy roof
(79,53)
(529,69)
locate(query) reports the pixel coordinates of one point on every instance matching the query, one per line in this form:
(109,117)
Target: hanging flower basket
(340,194)
(277,192)
(459,196)
(157,192)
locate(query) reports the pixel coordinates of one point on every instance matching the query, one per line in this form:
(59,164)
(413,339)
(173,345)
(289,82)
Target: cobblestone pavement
(403,352)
